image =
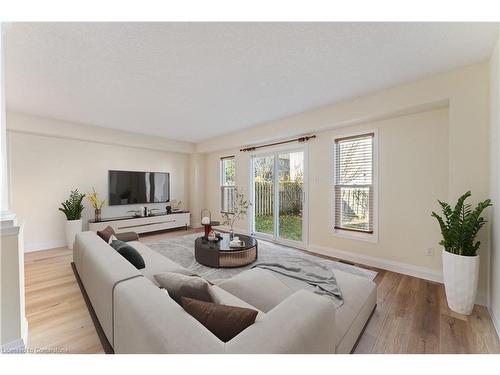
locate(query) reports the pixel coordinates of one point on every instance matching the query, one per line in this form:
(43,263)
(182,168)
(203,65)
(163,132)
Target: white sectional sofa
(137,316)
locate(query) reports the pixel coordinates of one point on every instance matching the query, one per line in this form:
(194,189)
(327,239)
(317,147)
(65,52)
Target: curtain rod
(300,140)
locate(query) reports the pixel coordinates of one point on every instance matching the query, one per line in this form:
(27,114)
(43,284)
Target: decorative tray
(235,246)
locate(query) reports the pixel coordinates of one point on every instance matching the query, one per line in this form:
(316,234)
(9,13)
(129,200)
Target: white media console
(153,223)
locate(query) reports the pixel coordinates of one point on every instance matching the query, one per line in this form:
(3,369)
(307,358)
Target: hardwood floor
(58,318)
(411,315)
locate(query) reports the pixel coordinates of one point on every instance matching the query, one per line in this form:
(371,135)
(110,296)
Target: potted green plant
(459,228)
(72,208)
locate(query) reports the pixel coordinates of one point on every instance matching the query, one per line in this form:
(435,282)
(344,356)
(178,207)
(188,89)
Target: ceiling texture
(194,81)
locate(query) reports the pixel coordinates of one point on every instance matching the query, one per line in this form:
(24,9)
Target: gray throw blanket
(313,273)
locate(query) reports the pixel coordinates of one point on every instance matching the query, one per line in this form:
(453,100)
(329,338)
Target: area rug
(181,250)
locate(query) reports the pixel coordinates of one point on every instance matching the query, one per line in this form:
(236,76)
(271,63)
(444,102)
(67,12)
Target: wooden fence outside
(290,198)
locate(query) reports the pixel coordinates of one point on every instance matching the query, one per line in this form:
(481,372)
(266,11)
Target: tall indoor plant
(72,208)
(459,228)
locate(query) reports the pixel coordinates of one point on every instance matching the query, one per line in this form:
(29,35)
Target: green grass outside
(290,226)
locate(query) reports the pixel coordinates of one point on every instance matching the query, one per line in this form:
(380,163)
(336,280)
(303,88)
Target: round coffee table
(220,255)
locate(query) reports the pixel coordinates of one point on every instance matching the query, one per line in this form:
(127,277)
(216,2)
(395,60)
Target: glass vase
(97,213)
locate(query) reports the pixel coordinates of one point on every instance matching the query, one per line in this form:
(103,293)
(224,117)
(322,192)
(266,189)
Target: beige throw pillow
(179,285)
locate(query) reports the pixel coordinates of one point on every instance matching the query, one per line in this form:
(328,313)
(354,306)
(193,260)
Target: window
(353,174)
(227,184)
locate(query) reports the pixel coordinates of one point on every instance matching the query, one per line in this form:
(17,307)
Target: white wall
(495,185)
(25,123)
(44,168)
(413,173)
(448,161)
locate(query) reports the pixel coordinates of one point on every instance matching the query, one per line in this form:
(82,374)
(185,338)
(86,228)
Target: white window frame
(368,237)
(221,177)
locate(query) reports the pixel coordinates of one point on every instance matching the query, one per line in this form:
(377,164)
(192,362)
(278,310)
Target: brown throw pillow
(179,285)
(223,321)
(106,233)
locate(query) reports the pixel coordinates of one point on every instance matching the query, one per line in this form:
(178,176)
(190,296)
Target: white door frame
(275,151)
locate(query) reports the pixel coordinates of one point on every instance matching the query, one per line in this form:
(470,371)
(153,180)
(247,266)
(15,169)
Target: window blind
(227,184)
(353,185)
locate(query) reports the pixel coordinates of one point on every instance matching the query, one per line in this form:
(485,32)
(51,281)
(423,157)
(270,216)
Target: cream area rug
(181,250)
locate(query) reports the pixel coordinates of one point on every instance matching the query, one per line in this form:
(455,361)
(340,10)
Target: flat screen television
(126,187)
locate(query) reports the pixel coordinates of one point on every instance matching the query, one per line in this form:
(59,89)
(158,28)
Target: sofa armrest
(127,236)
(302,323)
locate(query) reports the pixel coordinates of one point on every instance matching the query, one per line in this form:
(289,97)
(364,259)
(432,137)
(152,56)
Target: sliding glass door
(278,196)
(290,195)
(263,195)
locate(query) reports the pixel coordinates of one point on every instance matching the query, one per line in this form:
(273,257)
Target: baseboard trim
(389,265)
(495,320)
(39,246)
(393,266)
(16,346)
(482,298)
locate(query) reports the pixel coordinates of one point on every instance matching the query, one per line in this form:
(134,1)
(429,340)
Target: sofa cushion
(223,321)
(179,285)
(127,236)
(360,296)
(223,297)
(129,253)
(106,233)
(258,287)
(157,263)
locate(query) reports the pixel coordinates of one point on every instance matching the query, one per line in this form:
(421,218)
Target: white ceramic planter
(460,275)
(72,228)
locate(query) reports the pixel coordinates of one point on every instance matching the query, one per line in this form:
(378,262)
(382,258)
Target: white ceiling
(193,81)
